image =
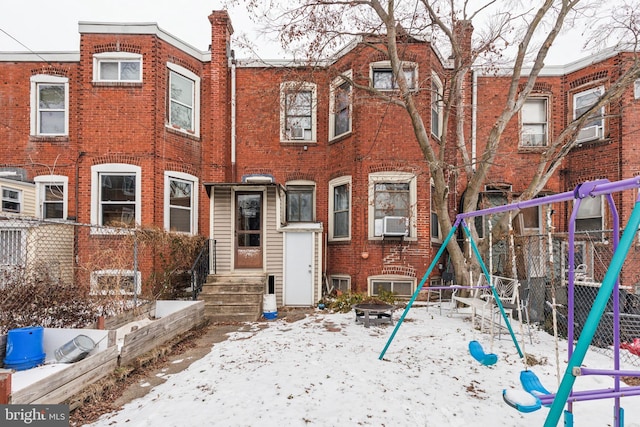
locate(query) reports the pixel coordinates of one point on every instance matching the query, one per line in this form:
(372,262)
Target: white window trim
(636,89)
(96,170)
(335,84)
(196,101)
(601,216)
(299,86)
(168,176)
(601,126)
(404,177)
(41,182)
(115,56)
(15,259)
(45,78)
(390,278)
(303,183)
(337,182)
(386,65)
(546,123)
(115,272)
(432,211)
(20,200)
(440,104)
(342,277)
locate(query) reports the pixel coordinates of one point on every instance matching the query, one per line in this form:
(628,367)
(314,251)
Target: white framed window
(636,89)
(434,225)
(437,97)
(340,208)
(115,195)
(401,286)
(593,128)
(184,100)
(115,282)
(13,247)
(298,103)
(341,283)
(533,116)
(392,195)
(180,202)
(49,105)
(301,201)
(382,77)
(117,67)
(51,196)
(340,106)
(590,217)
(11,200)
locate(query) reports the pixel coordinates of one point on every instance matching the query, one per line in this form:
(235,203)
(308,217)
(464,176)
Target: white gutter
(474,114)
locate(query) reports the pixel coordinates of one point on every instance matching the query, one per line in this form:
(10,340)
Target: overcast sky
(47,25)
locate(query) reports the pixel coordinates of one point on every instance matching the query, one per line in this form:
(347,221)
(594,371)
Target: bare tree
(519,34)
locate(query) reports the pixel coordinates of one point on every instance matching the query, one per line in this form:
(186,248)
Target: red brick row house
(289,173)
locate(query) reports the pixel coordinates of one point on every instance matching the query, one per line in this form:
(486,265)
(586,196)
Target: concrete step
(232,288)
(231,299)
(237,278)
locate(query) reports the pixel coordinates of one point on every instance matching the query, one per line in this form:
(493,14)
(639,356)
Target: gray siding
(274,244)
(223,229)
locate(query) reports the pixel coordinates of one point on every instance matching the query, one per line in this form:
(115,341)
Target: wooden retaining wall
(161,330)
(176,318)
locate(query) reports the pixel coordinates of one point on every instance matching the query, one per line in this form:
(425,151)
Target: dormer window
(382,77)
(117,67)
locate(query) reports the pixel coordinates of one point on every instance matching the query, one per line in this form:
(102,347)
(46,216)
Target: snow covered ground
(324,370)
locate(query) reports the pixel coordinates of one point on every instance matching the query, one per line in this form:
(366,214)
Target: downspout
(474,114)
(232,65)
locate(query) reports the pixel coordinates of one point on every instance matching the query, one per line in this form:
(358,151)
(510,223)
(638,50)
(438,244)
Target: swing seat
(532,384)
(521,400)
(476,350)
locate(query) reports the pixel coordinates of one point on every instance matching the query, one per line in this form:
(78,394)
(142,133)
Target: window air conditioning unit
(590,133)
(296,132)
(395,226)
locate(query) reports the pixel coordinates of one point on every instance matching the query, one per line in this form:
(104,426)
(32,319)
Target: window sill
(298,142)
(182,132)
(99,230)
(341,137)
(43,138)
(116,84)
(533,150)
(593,143)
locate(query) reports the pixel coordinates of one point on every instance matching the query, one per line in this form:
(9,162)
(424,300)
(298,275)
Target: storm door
(248,222)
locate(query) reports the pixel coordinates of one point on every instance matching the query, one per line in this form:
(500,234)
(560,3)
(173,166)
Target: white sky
(45,25)
(324,371)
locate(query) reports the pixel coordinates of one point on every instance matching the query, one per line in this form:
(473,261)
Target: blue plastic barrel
(24,348)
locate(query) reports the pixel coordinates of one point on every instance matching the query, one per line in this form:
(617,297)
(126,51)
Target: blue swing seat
(476,350)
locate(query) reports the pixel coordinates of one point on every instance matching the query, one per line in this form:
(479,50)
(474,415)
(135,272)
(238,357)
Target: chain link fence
(59,274)
(541,264)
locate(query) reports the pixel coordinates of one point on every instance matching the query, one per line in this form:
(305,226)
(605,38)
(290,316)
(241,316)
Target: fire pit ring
(376,314)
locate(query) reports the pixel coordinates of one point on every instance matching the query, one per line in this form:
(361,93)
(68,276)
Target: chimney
(219,152)
(462,31)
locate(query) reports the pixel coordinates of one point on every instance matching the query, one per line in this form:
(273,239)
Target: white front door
(298,269)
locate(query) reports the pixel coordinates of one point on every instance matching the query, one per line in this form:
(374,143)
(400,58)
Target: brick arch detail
(116,158)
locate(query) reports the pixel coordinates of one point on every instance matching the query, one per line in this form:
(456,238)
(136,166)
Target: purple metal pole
(616,312)
(608,372)
(594,395)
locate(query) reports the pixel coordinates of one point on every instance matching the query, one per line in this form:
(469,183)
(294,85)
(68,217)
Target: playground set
(534,395)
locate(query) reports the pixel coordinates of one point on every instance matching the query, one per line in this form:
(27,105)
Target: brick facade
(239,134)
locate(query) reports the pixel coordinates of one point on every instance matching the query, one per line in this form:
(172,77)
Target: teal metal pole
(591,324)
(493,289)
(415,294)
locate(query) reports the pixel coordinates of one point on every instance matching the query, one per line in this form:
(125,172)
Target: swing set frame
(608,289)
